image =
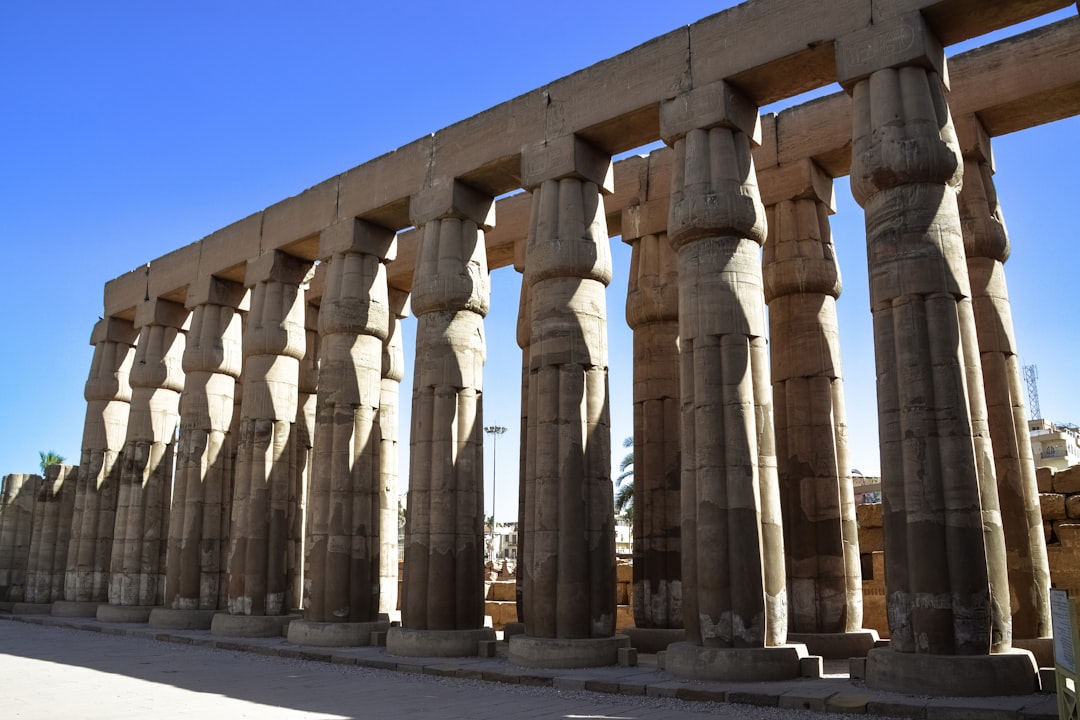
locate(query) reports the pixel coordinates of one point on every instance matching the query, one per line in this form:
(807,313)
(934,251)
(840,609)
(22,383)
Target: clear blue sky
(129,129)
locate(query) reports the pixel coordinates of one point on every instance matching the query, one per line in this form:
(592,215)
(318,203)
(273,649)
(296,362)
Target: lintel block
(452,198)
(896,42)
(156,311)
(208,289)
(111,329)
(649,218)
(278,266)
(974,140)
(565,157)
(717,104)
(800,180)
(353,235)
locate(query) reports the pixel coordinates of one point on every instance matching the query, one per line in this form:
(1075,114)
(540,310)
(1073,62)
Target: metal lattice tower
(1031,377)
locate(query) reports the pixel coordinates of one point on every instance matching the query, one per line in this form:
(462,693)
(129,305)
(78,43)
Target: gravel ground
(50,672)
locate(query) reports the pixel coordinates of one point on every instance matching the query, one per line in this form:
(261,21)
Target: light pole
(496,431)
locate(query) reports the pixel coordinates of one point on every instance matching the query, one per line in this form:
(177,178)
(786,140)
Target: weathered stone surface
(652,312)
(1068,480)
(906,170)
(393,367)
(108,397)
(568,559)
(137,568)
(802,281)
(444,533)
(869,515)
(16,533)
(53,510)
(730,496)
(986,245)
(1052,506)
(342,584)
(274,341)
(1045,478)
(195,569)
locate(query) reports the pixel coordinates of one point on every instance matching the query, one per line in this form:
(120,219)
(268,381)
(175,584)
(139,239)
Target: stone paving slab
(830,695)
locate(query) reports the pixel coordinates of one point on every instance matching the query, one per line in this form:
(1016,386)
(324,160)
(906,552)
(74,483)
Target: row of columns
(746,538)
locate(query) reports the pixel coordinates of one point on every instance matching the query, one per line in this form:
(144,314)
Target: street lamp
(496,431)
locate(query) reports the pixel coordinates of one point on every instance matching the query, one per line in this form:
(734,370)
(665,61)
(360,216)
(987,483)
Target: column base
(124,613)
(837,646)
(174,619)
(75,609)
(28,608)
(436,643)
(1008,673)
(779,662)
(653,640)
(1041,648)
(334,634)
(539,652)
(228,625)
(511,629)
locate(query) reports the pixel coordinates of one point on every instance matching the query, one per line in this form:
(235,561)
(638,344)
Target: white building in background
(1054,446)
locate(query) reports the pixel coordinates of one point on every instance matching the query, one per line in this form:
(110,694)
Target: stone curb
(835,695)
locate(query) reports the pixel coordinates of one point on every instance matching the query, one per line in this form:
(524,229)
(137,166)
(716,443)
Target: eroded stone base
(72,608)
(653,640)
(330,634)
(436,643)
(1041,648)
(781,662)
(25,608)
(124,613)
(228,625)
(837,646)
(566,652)
(1009,673)
(182,619)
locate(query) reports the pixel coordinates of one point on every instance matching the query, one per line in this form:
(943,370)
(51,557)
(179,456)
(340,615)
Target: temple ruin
(242,402)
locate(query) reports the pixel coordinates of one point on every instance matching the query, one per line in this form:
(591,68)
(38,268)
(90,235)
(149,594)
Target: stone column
(523,328)
(16,528)
(568,559)
(802,283)
(986,243)
(195,567)
(652,312)
(945,571)
(53,511)
(303,458)
(442,603)
(393,368)
(734,595)
(137,568)
(341,600)
(108,397)
(273,345)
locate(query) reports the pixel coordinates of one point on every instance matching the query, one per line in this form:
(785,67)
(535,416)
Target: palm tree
(49,458)
(624,496)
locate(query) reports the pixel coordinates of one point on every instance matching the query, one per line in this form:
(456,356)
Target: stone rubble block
(869,516)
(1045,478)
(1067,481)
(1053,506)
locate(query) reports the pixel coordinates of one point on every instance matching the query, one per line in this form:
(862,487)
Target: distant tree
(624,483)
(49,458)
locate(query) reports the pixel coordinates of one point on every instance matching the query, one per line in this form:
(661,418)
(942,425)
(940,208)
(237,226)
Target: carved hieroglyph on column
(342,584)
(16,528)
(802,283)
(444,535)
(273,345)
(986,243)
(303,456)
(137,570)
(732,540)
(569,554)
(52,532)
(195,567)
(393,370)
(108,397)
(652,312)
(938,486)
